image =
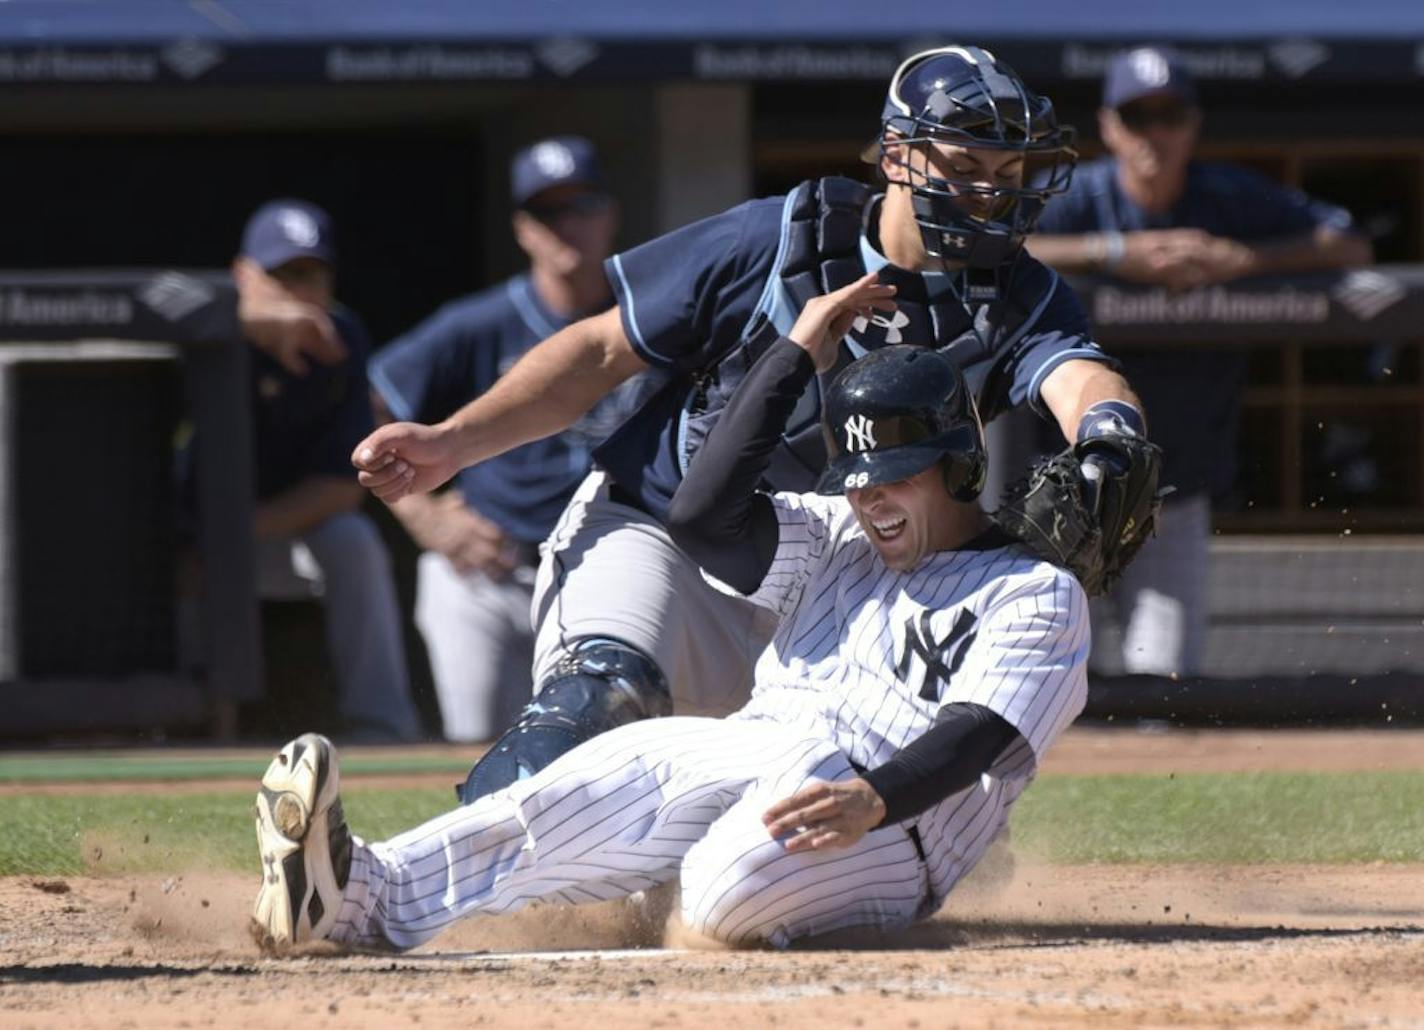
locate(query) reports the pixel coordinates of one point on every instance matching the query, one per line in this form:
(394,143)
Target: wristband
(1111,417)
(1113,248)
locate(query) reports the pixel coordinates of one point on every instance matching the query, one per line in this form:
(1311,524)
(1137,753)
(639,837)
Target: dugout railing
(104,623)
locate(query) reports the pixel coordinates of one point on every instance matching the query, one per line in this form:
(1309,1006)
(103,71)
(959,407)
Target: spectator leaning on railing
(1148,213)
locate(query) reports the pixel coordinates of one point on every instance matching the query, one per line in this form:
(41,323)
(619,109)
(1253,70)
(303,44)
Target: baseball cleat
(304,844)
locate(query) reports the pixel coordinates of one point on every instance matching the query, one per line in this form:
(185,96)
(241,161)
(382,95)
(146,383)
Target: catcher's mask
(896,412)
(964,96)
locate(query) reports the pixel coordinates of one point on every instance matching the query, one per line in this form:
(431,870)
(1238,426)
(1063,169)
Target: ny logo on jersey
(892,325)
(860,433)
(920,642)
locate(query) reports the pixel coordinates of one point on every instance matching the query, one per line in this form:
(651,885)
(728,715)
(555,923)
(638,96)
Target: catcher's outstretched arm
(1077,385)
(548,389)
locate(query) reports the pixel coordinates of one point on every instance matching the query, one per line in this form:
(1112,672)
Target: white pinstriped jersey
(867,656)
(863,660)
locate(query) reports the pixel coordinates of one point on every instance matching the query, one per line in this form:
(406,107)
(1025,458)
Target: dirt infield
(1060,945)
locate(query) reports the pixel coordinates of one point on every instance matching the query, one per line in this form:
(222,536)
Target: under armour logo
(920,641)
(892,325)
(860,433)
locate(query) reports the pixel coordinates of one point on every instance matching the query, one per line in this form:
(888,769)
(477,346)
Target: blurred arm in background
(292,331)
(1185,258)
(1149,213)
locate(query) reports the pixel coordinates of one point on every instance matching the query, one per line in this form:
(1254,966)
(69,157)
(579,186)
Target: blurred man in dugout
(1149,213)
(311,538)
(480,537)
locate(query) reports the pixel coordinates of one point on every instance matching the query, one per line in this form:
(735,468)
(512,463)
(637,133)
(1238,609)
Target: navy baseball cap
(553,162)
(284,230)
(1148,71)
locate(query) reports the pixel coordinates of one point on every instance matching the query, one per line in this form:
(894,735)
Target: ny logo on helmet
(892,325)
(860,433)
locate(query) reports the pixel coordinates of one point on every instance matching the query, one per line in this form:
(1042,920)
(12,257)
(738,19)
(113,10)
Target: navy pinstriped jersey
(867,656)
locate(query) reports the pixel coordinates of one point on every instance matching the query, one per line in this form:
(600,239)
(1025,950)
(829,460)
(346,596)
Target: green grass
(71,834)
(1238,817)
(1249,818)
(72,768)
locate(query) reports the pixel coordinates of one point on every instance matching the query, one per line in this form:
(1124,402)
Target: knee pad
(598,685)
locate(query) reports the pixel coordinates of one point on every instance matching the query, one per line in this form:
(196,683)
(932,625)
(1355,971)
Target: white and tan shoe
(304,844)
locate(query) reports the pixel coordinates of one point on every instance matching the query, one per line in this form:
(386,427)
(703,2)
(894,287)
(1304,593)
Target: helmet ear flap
(963,480)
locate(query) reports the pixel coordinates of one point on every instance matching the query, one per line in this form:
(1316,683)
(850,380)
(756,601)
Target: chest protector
(973,316)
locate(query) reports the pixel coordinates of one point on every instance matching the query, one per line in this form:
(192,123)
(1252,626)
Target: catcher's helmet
(896,412)
(964,96)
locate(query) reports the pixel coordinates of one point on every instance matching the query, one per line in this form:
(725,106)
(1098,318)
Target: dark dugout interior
(406,206)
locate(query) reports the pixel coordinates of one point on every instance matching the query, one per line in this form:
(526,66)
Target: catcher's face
(979,180)
(907,520)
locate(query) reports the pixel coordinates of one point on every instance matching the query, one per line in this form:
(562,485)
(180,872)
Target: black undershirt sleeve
(963,743)
(717,516)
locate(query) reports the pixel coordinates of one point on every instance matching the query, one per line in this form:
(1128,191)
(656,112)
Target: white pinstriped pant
(630,809)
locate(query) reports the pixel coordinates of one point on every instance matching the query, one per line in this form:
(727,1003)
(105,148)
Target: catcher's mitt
(1089,509)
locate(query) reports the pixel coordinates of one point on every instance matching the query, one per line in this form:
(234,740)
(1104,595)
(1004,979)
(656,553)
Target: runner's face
(905,520)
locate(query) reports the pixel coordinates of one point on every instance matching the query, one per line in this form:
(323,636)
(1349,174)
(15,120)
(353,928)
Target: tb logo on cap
(1150,67)
(860,433)
(553,159)
(299,227)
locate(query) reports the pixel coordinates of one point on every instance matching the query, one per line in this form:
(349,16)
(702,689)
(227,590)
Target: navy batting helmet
(896,412)
(964,96)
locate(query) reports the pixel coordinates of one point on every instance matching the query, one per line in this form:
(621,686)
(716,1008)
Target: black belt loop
(526,554)
(914,832)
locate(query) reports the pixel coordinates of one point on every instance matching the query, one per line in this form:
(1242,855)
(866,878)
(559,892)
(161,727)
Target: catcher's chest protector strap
(821,227)
(822,224)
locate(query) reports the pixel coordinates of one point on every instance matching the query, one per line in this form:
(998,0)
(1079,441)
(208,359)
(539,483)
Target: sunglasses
(581,205)
(1168,116)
